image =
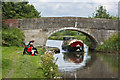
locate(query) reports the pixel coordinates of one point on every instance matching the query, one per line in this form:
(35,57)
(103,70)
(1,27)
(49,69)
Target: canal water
(84,65)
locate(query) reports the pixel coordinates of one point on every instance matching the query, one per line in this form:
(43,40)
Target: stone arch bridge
(39,29)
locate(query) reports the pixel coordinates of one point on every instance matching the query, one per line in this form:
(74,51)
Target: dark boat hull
(73,49)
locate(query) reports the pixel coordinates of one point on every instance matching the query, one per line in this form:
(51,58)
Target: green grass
(8,54)
(26,66)
(0,62)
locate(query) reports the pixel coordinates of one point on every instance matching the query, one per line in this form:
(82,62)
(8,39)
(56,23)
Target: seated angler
(31,51)
(31,43)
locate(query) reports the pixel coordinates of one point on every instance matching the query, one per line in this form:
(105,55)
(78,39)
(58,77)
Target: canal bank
(16,65)
(112,45)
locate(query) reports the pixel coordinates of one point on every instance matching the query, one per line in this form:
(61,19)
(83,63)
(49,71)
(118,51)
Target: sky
(73,8)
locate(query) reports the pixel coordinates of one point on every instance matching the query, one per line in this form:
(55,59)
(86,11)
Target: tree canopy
(14,10)
(101,12)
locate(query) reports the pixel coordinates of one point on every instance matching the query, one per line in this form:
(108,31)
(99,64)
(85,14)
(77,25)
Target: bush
(112,44)
(48,65)
(12,37)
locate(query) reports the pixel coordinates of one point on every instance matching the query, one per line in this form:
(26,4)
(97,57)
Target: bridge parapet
(61,22)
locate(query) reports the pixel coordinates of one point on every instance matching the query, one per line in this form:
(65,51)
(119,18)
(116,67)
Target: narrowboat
(71,44)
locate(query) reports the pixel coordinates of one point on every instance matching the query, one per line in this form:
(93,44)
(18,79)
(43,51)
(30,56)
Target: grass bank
(111,45)
(14,65)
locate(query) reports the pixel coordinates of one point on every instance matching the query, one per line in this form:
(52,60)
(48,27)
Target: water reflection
(74,57)
(82,65)
(69,61)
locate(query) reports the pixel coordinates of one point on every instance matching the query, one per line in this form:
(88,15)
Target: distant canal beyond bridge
(89,65)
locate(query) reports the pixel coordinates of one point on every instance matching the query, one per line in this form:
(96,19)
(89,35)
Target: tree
(14,10)
(101,12)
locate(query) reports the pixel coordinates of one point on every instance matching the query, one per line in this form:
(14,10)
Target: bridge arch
(85,32)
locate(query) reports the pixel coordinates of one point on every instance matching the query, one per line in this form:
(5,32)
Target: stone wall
(60,22)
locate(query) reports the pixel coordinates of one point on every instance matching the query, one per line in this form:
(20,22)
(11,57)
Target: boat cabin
(71,44)
(68,38)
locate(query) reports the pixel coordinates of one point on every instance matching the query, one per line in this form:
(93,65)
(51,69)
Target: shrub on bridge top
(12,37)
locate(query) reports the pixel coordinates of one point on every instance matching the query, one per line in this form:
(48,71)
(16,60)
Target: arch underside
(85,32)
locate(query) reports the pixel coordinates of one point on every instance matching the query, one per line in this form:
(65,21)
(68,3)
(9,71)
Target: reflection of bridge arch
(84,31)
